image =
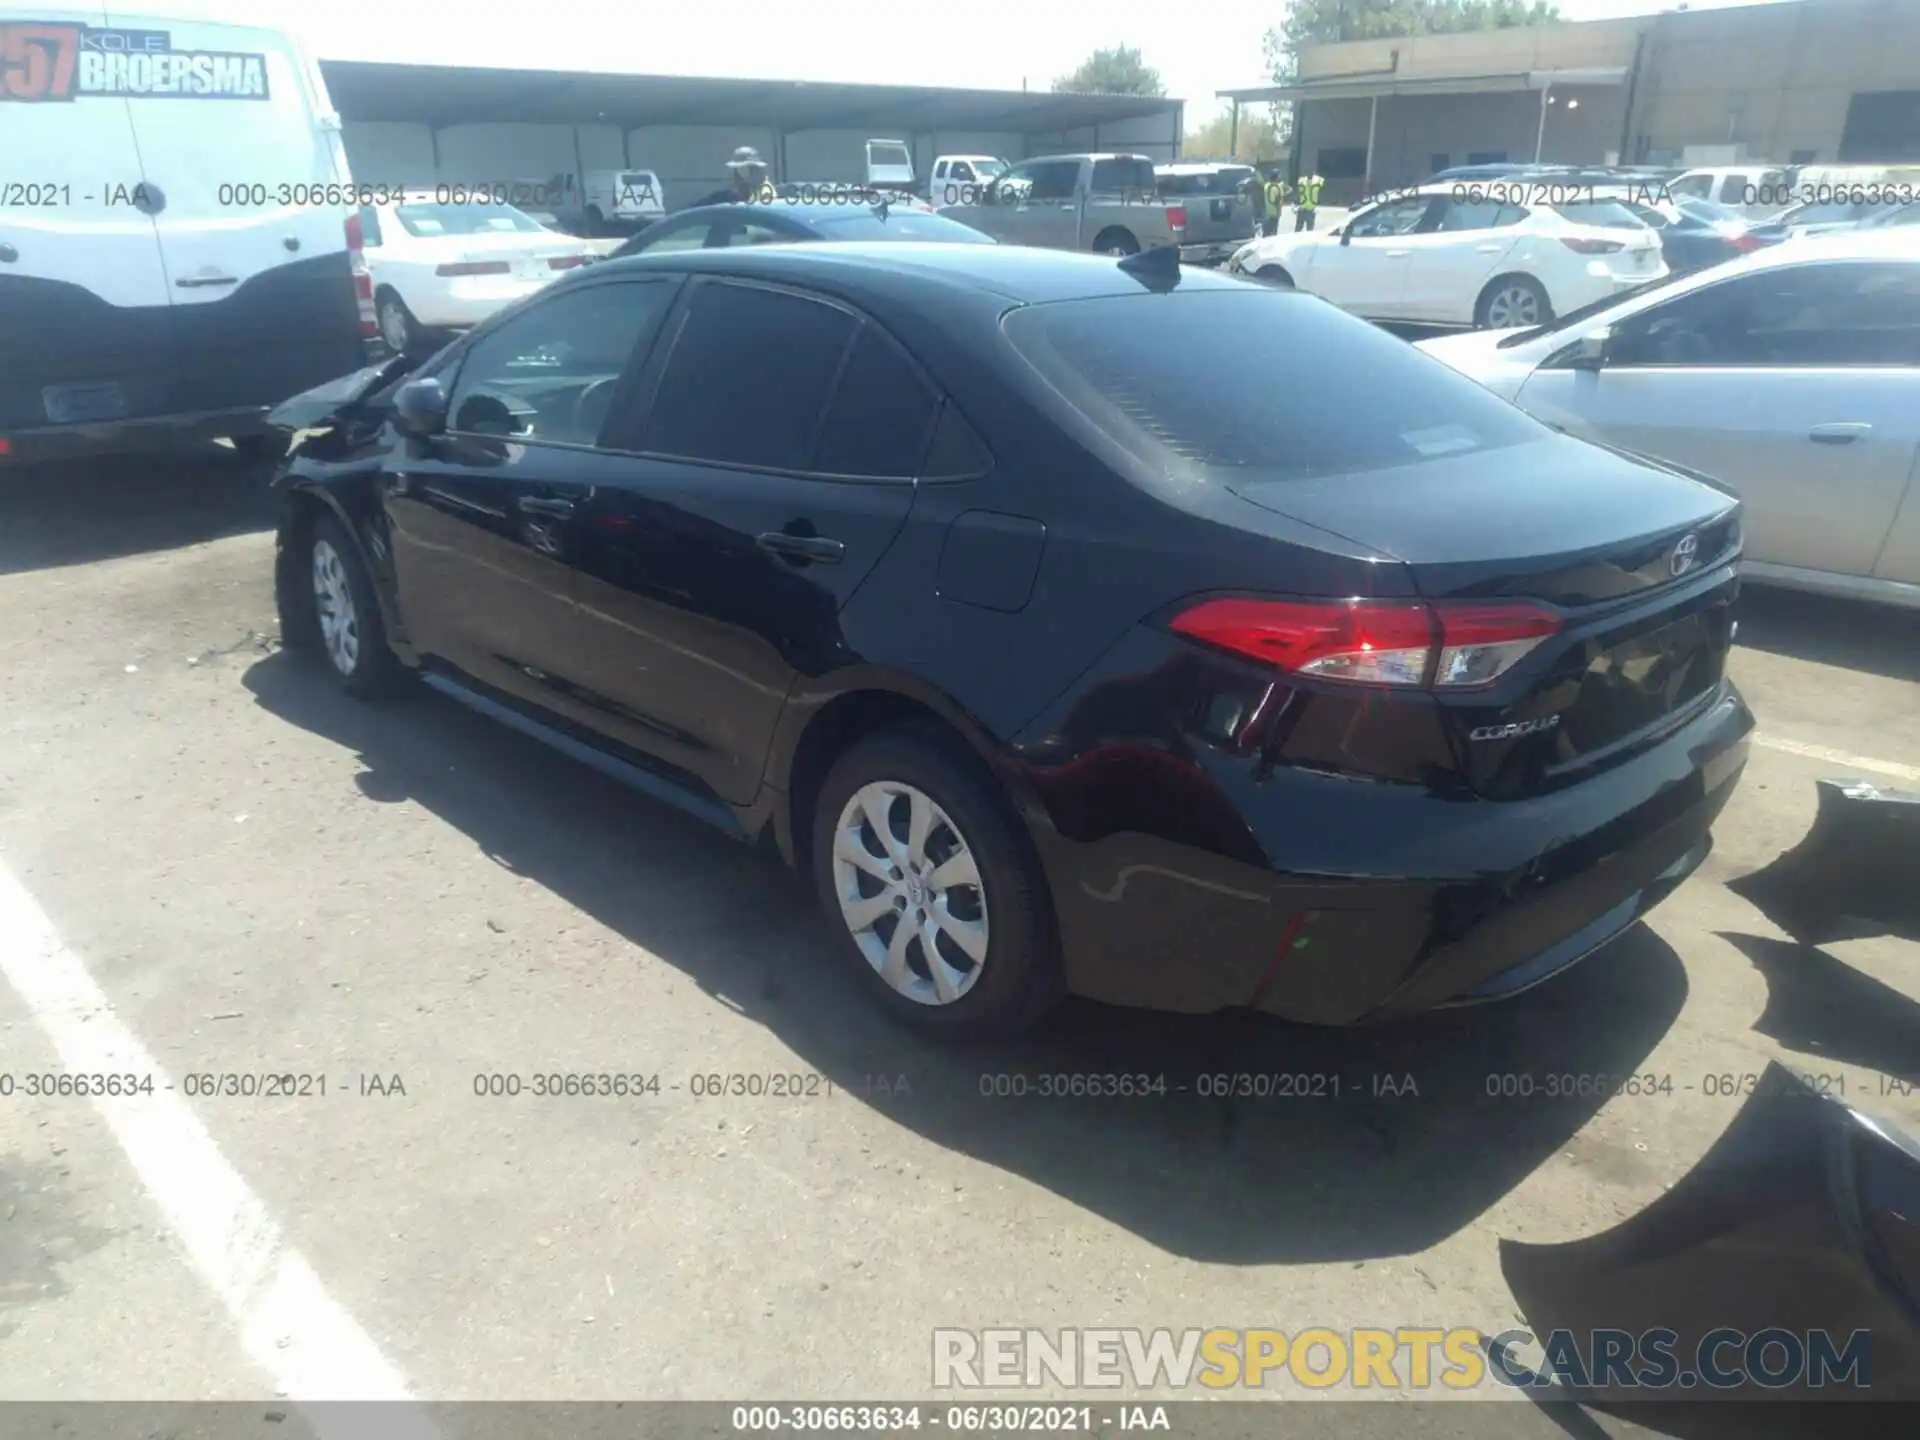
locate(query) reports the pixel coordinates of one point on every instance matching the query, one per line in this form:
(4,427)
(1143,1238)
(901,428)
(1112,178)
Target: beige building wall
(1775,79)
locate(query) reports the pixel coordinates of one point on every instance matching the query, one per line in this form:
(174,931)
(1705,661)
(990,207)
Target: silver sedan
(1791,376)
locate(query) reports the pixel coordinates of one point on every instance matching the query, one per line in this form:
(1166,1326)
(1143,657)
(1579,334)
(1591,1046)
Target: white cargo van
(619,200)
(177,238)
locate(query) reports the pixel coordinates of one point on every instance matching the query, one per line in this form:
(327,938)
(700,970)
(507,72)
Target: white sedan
(1492,255)
(447,265)
(1791,376)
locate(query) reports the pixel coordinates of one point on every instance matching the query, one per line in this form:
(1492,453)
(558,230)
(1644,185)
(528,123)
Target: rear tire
(1116,242)
(347,634)
(397,326)
(1275,276)
(952,871)
(1511,301)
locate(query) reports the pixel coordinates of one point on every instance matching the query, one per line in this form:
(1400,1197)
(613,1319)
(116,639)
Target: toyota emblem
(1685,555)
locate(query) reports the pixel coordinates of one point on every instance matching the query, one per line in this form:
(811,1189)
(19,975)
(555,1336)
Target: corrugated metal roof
(451,94)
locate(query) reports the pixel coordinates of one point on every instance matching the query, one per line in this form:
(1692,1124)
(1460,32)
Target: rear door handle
(1839,433)
(200,282)
(1490,249)
(1398,254)
(545,505)
(804,547)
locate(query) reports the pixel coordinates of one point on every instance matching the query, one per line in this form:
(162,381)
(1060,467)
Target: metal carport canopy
(444,95)
(1385,83)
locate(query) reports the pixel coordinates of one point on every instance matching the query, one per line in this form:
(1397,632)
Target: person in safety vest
(1306,200)
(1276,196)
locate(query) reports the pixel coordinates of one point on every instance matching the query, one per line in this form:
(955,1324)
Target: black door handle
(545,505)
(1840,433)
(804,547)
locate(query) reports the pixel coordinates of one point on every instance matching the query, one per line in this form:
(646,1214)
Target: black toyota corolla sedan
(1313,678)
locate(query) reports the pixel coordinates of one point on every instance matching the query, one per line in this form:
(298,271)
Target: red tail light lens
(362,276)
(1744,243)
(1583,246)
(1374,642)
(1176,217)
(474,267)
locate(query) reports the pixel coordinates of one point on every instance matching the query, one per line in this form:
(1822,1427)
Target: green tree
(1258,138)
(1119,71)
(1320,22)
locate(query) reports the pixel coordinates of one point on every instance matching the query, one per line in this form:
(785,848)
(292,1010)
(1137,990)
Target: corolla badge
(1514,730)
(1685,555)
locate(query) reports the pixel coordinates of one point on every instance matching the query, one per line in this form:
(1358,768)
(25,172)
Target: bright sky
(1199,46)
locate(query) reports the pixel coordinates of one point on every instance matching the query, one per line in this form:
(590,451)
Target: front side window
(548,373)
(1842,314)
(1395,217)
(749,378)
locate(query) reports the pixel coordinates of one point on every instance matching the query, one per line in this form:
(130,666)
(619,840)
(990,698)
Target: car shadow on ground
(78,511)
(1826,630)
(1825,1009)
(1408,1134)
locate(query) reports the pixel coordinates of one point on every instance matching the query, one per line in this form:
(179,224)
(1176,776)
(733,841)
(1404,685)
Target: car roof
(1023,274)
(1202,167)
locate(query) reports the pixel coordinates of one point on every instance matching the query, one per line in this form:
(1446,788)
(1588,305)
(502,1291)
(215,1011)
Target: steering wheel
(591,405)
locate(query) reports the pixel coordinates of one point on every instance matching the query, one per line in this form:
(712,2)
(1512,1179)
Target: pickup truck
(956,177)
(1107,203)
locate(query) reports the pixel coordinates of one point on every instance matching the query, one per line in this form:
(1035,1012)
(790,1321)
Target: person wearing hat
(750,182)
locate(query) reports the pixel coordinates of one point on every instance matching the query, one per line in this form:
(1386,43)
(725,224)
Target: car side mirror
(420,407)
(1590,351)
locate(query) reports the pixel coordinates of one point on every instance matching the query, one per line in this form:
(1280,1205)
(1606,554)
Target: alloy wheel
(910,892)
(333,607)
(1511,306)
(393,326)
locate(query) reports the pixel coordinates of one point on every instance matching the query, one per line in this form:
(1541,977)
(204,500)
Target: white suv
(1492,255)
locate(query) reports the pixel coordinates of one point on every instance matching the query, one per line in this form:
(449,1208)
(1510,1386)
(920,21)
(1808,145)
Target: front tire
(935,898)
(348,635)
(1512,301)
(1275,276)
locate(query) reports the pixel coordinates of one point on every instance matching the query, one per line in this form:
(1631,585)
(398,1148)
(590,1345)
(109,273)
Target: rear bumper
(1390,899)
(463,303)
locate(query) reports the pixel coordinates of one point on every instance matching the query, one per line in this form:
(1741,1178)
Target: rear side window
(1123,176)
(1312,391)
(876,425)
(749,377)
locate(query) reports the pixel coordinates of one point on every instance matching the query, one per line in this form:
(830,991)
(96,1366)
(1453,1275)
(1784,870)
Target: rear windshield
(639,177)
(888,155)
(477,219)
(900,223)
(1257,379)
(1710,212)
(1210,182)
(1608,213)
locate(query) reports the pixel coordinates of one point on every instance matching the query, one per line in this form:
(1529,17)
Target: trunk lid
(1639,562)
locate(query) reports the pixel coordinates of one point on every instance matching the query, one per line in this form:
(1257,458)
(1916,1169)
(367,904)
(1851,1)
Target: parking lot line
(1840,758)
(288,1324)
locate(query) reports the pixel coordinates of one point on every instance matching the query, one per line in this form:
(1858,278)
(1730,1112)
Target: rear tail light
(474,267)
(362,276)
(1744,243)
(6,447)
(1446,645)
(1176,217)
(1579,244)
(566,262)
